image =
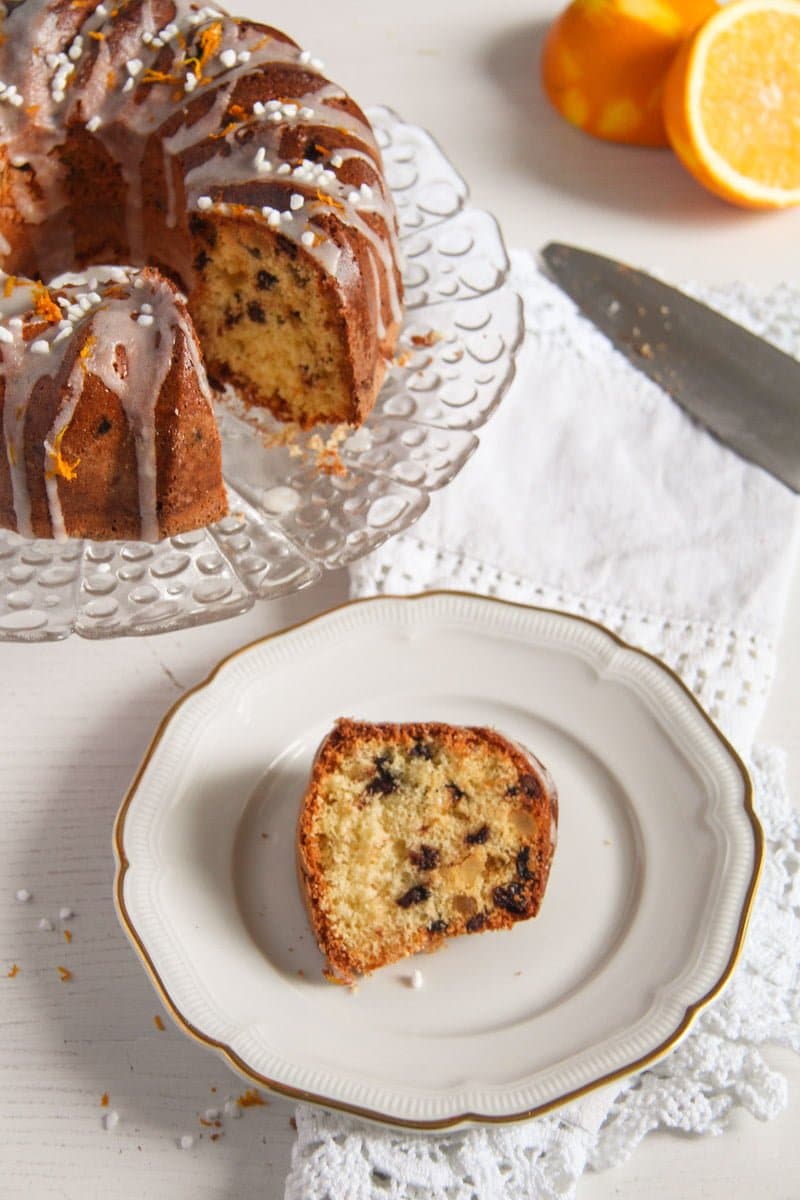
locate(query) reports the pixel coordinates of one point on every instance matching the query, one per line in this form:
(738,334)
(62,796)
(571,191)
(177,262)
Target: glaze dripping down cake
(160,133)
(409,834)
(106,411)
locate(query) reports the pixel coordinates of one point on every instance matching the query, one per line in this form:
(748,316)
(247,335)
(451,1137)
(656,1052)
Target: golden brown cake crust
(451,862)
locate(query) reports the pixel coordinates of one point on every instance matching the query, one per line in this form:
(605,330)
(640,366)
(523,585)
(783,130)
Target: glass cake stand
(316,501)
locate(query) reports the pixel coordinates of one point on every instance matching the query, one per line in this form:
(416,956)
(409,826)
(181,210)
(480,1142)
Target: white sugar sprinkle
(304,56)
(45,924)
(128,85)
(296,201)
(243,56)
(274,219)
(204,202)
(284,168)
(336,160)
(23,896)
(93,123)
(212,1114)
(186,1142)
(232,1109)
(228,58)
(134,66)
(145,319)
(111,1120)
(286,217)
(65,913)
(416,979)
(146,308)
(307,238)
(6,335)
(40,347)
(189,82)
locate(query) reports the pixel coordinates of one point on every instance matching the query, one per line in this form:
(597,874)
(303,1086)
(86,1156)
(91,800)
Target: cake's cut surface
(409,834)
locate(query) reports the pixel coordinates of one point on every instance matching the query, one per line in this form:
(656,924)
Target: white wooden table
(76,717)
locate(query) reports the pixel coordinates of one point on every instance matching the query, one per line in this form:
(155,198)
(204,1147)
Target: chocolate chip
(438,926)
(265,280)
(201,261)
(455,791)
(475,923)
(414,895)
(523,863)
(530,786)
(511,898)
(256,313)
(478,836)
(426,858)
(231,319)
(255,251)
(286,245)
(103,427)
(421,750)
(384,783)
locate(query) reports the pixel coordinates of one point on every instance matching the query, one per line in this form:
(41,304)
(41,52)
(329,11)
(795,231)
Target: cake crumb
(67,936)
(185,1142)
(250,1099)
(159,1024)
(104,1100)
(426,339)
(415,979)
(111,1120)
(65,974)
(13,972)
(23,896)
(45,924)
(65,913)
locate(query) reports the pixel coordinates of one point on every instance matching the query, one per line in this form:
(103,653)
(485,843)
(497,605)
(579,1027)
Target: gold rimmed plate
(654,875)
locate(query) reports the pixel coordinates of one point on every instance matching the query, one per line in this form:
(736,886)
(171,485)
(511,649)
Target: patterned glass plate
(323,499)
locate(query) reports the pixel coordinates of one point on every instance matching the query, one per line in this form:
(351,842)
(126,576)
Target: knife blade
(744,390)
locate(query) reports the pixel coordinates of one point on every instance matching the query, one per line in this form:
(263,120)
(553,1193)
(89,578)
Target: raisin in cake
(409,834)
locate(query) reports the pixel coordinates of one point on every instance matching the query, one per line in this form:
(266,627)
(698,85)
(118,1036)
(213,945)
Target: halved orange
(732,103)
(604,63)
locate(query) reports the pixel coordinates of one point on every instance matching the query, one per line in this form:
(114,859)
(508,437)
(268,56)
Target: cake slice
(409,834)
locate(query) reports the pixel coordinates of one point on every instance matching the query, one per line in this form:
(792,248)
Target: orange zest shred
(324,198)
(44,304)
(12,454)
(86,349)
(67,935)
(60,466)
(153,76)
(159,1024)
(65,974)
(13,972)
(252,1098)
(210,1124)
(97,34)
(9,285)
(32,109)
(104,1100)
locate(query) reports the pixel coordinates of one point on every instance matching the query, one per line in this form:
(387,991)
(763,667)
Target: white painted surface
(76,717)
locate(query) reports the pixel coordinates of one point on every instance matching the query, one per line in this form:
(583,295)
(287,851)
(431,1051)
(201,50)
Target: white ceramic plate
(658,856)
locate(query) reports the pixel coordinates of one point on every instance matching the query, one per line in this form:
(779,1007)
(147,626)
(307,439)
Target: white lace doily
(637,518)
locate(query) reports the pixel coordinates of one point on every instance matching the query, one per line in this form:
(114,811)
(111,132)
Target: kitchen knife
(741,388)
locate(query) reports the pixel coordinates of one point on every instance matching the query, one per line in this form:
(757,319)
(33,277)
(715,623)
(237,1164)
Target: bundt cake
(106,411)
(161,133)
(409,834)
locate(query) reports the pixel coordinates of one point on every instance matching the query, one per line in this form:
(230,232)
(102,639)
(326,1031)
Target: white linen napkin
(594,493)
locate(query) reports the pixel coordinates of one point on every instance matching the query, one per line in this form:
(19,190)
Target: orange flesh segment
(750,97)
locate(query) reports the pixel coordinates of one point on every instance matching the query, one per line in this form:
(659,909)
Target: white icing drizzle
(120,332)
